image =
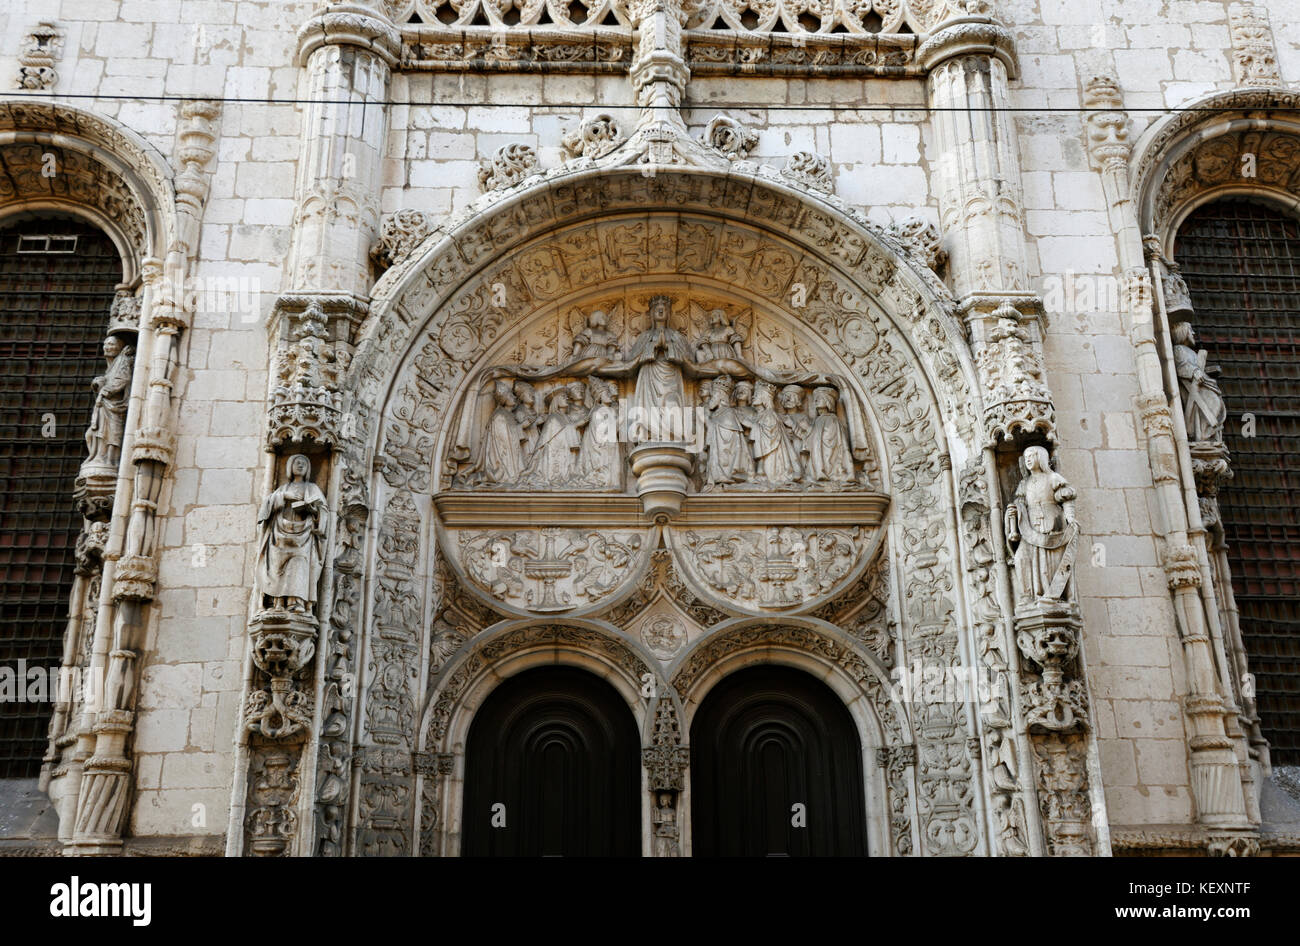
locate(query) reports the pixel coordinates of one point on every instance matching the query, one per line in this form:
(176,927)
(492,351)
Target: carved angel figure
(1203,406)
(1042,534)
(595,339)
(827,444)
(777,459)
(108,418)
(720,339)
(291,553)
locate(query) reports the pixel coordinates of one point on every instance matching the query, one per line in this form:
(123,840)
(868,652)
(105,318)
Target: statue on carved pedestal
(665,825)
(292,548)
(1203,406)
(659,401)
(108,419)
(1042,534)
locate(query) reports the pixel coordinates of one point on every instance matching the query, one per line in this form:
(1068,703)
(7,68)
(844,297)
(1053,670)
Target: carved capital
(350,24)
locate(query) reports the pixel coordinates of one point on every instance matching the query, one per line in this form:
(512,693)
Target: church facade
(651,427)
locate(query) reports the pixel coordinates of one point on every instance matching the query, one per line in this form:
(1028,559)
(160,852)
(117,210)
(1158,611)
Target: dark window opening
(1241,260)
(55,310)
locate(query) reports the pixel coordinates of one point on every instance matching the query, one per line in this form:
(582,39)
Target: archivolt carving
(454,682)
(836,277)
(1174,165)
(97,164)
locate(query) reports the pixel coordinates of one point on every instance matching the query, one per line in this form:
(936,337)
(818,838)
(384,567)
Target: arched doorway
(558,748)
(765,740)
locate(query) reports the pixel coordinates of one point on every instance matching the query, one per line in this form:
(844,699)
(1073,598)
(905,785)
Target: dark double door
(559,749)
(776,769)
(553,769)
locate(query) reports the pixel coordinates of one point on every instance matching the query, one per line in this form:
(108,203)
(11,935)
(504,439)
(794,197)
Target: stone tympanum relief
(593,420)
(587,390)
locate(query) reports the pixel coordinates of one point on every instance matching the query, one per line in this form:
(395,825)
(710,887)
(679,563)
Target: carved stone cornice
(350,24)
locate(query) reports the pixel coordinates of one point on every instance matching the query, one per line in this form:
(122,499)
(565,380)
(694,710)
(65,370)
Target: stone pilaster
(130,556)
(348,51)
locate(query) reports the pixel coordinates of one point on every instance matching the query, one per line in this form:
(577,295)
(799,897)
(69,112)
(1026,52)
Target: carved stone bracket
(1006,338)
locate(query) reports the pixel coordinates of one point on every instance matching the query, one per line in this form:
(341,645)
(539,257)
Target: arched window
(1241,262)
(57,279)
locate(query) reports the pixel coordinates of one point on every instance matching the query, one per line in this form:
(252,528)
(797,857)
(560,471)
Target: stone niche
(677,415)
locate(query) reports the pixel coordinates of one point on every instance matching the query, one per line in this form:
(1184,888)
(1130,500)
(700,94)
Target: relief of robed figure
(108,417)
(291,549)
(1041,531)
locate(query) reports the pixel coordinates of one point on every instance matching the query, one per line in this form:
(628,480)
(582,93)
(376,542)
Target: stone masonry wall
(123,54)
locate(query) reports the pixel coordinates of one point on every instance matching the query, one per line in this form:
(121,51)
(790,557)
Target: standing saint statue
(108,418)
(729,459)
(1203,406)
(501,457)
(292,547)
(1042,534)
(777,459)
(555,461)
(827,444)
(599,463)
(658,408)
(665,826)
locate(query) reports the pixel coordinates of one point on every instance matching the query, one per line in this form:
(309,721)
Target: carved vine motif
(1063,795)
(386,781)
(1275,157)
(896,760)
(484,655)
(999,742)
(661,578)
(1254,53)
